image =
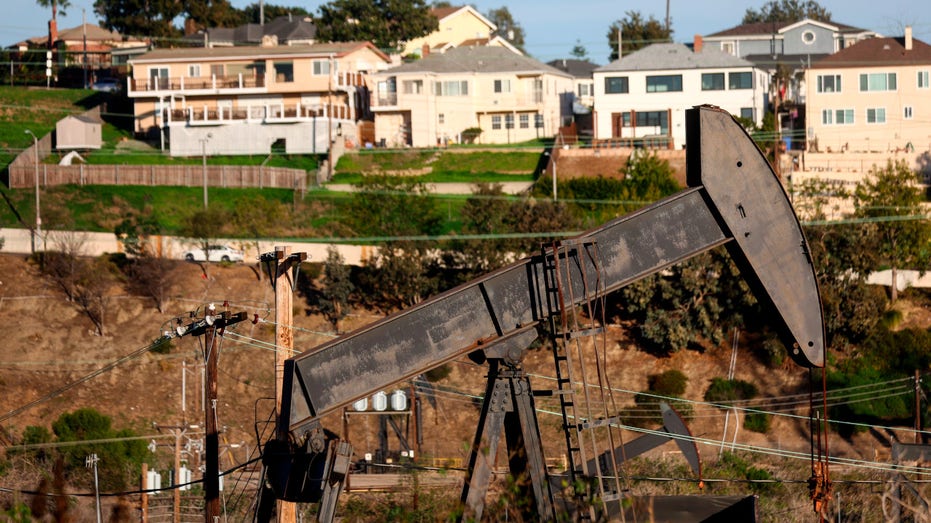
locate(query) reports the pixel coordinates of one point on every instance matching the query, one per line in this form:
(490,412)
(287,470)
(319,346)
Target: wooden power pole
(282,268)
(212,433)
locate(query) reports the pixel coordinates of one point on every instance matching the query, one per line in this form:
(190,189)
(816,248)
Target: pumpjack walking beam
(734,199)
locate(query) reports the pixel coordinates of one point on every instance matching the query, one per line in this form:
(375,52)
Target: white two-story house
(642,97)
(431,101)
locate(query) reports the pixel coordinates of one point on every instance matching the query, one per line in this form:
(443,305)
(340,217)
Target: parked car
(107,85)
(216,253)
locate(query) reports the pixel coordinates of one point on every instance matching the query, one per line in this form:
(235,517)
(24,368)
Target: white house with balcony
(244,100)
(512,98)
(642,97)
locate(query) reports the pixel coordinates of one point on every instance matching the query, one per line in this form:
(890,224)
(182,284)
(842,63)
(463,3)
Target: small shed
(81,132)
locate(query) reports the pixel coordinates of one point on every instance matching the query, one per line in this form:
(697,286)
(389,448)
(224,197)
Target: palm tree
(55,5)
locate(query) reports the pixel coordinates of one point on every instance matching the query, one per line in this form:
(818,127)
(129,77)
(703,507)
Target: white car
(216,253)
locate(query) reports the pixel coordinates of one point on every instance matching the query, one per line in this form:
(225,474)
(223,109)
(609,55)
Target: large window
(496,121)
(616,85)
(664,83)
(876,115)
(412,86)
(284,72)
(653,119)
(502,86)
(712,82)
(586,89)
(923,78)
(877,82)
(837,116)
(322,67)
(451,88)
(828,83)
(740,80)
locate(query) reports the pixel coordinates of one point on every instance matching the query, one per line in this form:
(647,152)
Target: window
(653,119)
(837,116)
(525,121)
(322,67)
(747,112)
(284,72)
(412,86)
(877,115)
(808,37)
(740,80)
(877,82)
(923,80)
(441,118)
(728,48)
(502,86)
(586,89)
(217,70)
(908,112)
(616,85)
(496,121)
(664,83)
(625,119)
(538,121)
(509,121)
(712,82)
(193,70)
(828,83)
(158,77)
(451,88)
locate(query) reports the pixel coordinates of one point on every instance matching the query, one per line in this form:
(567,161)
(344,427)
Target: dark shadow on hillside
(116,108)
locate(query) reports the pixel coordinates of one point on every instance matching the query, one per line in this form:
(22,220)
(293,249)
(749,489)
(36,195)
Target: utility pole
(282,269)
(91,461)
(211,326)
(917,405)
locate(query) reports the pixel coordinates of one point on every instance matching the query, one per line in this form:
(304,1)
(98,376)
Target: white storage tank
(380,401)
(399,400)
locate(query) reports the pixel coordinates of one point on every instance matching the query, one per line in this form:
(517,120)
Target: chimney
(697,45)
(52,33)
(425,50)
(908,38)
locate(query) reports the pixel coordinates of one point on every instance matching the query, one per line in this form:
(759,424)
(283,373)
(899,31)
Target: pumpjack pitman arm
(734,199)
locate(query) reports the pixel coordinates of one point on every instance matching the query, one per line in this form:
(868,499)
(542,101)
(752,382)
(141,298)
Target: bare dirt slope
(48,344)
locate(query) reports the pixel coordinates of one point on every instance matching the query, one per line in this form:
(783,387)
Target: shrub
(668,383)
(723,390)
(471,134)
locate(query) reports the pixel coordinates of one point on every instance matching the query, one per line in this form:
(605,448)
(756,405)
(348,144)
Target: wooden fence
(23,175)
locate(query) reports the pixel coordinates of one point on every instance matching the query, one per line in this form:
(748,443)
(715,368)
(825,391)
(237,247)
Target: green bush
(668,383)
(757,422)
(725,391)
(471,134)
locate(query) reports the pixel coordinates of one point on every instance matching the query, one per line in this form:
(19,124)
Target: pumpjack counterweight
(734,199)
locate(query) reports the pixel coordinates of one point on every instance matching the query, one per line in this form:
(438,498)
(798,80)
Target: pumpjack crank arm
(734,199)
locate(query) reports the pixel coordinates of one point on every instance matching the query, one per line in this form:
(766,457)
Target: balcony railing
(197,83)
(268,113)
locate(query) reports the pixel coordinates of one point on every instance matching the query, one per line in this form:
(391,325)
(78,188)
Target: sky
(552,28)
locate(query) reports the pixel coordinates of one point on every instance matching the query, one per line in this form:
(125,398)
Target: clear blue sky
(553,28)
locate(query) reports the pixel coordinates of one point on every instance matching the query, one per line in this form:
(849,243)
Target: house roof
(767,28)
(95,33)
(285,28)
(476,60)
(445,12)
(876,52)
(661,57)
(575,67)
(209,53)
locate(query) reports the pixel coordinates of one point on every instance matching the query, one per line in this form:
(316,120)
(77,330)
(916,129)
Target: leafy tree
(579,51)
(636,33)
(250,13)
(119,460)
(385,23)
(786,11)
(337,287)
(890,200)
(212,13)
(508,29)
(401,215)
(152,18)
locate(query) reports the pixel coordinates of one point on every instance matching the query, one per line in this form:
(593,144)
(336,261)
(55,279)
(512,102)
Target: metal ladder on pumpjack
(590,438)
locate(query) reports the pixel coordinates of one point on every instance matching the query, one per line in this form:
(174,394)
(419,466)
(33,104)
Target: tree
(258,217)
(385,23)
(150,18)
(507,27)
(636,33)
(202,227)
(57,6)
(786,11)
(250,13)
(890,199)
(579,51)
(337,287)
(485,213)
(212,13)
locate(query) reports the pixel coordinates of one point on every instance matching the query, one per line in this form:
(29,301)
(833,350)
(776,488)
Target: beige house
(458,26)
(872,96)
(244,100)
(431,101)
